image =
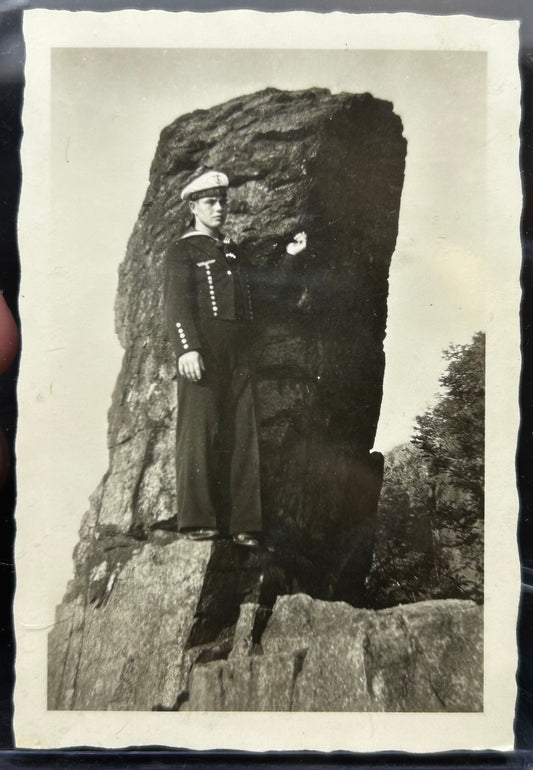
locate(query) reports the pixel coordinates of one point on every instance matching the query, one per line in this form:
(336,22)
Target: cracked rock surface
(162,641)
(329,656)
(150,621)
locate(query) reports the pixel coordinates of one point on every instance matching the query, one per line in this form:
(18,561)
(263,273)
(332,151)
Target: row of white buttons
(182,336)
(211,290)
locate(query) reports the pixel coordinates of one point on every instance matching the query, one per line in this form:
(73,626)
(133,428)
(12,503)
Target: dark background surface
(11,97)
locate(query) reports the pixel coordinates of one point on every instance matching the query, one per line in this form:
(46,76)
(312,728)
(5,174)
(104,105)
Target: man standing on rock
(209,310)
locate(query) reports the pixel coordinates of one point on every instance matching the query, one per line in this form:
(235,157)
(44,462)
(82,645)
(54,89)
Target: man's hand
(191,366)
(298,244)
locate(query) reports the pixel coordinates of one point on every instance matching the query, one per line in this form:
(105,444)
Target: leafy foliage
(451,435)
(429,542)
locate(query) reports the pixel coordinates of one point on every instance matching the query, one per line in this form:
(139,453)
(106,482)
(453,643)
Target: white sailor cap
(210,183)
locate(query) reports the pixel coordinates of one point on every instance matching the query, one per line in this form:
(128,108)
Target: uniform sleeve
(180,301)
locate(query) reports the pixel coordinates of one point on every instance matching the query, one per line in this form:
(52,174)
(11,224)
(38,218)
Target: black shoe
(201,534)
(246,539)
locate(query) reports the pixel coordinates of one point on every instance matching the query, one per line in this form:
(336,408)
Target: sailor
(209,310)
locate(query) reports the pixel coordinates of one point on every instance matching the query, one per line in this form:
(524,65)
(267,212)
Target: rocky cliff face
(160,640)
(329,656)
(146,610)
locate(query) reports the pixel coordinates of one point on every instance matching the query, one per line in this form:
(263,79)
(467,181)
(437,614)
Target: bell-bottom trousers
(217,453)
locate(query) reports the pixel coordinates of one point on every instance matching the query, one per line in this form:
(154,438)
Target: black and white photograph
(270,290)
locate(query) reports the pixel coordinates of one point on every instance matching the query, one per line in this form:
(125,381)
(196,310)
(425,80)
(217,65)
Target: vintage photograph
(266,372)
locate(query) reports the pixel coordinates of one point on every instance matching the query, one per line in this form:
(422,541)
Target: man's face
(210,212)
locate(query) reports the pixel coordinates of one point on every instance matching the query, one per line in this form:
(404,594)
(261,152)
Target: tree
(429,541)
(451,435)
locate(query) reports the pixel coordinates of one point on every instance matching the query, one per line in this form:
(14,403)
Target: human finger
(197,372)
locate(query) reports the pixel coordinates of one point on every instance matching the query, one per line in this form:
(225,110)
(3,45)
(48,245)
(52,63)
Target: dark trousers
(217,453)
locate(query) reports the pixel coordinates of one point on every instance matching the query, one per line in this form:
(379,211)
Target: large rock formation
(153,644)
(332,165)
(328,656)
(146,609)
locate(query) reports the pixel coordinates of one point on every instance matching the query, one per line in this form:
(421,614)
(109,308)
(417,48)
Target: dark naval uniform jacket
(207,287)
(208,309)
(205,279)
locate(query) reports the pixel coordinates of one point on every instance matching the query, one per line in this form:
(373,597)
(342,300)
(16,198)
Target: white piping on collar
(225,240)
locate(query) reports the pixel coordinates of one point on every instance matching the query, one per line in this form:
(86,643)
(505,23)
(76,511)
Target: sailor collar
(225,241)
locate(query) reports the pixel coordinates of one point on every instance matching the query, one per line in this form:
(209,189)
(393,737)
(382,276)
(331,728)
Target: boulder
(177,626)
(331,165)
(329,656)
